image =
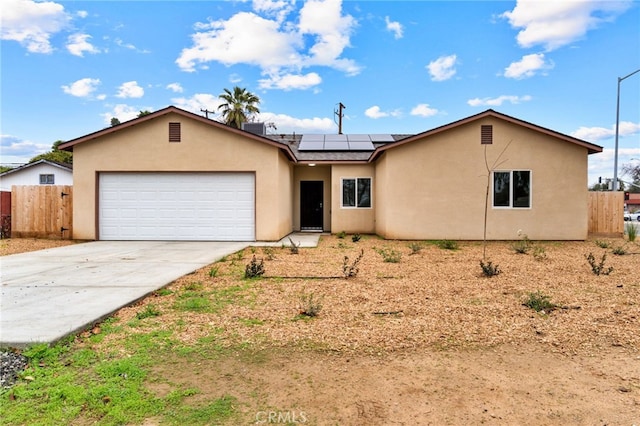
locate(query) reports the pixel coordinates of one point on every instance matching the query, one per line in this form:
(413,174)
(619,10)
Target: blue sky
(67,68)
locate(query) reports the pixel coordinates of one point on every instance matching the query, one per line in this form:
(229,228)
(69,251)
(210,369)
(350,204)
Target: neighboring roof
(68,146)
(64,166)
(592,148)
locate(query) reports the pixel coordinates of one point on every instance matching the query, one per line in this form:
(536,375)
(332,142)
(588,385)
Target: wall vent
(486,134)
(174,132)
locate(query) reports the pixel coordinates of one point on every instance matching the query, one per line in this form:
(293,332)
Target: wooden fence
(606,213)
(42,211)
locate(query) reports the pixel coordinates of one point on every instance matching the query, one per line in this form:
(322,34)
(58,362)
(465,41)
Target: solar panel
(361,146)
(353,142)
(336,146)
(358,138)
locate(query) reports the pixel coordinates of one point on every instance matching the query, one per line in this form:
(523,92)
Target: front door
(311,199)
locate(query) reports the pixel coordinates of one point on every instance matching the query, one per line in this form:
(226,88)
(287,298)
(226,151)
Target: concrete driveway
(49,294)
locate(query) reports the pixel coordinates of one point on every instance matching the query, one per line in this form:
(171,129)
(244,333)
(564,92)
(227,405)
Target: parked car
(632,216)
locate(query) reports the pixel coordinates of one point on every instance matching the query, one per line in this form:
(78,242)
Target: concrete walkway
(49,294)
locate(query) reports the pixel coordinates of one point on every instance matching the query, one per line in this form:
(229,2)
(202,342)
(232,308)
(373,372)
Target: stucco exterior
(427,186)
(442,196)
(145,147)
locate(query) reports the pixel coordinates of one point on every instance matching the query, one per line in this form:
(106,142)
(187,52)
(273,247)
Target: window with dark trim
(486,134)
(47,179)
(174,132)
(356,193)
(512,189)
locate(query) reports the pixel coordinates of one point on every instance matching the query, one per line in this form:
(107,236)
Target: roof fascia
(68,146)
(591,148)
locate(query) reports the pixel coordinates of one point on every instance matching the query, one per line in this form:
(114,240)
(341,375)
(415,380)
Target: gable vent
(486,134)
(174,132)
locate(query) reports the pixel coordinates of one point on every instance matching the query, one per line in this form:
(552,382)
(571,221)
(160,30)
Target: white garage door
(177,206)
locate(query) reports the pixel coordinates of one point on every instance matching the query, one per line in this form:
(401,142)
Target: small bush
(254,268)
(522,246)
(539,253)
(489,269)
(448,245)
(309,305)
(268,252)
(341,234)
(356,237)
(149,311)
(293,247)
(415,247)
(351,270)
(599,268)
(619,251)
(539,302)
(213,271)
(390,255)
(602,244)
(631,231)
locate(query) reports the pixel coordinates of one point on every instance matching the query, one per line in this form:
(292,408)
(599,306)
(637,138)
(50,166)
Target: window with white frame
(512,189)
(47,179)
(356,192)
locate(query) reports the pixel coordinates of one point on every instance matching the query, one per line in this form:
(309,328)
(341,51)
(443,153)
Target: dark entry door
(311,211)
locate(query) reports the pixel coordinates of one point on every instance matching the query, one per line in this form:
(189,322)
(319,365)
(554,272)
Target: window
(512,189)
(356,192)
(47,179)
(174,132)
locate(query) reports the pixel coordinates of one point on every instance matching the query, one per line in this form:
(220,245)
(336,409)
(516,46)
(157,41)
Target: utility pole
(206,112)
(340,115)
(615,155)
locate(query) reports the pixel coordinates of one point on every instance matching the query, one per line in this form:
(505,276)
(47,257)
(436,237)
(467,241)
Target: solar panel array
(355,142)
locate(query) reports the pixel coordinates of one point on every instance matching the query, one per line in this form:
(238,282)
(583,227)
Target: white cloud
(423,110)
(16,150)
(120,43)
(601,164)
(375,113)
(594,134)
(528,66)
(175,87)
(554,24)
(31,23)
(395,27)
(82,13)
(442,68)
(82,88)
(130,89)
(276,46)
(499,100)
(199,101)
(122,112)
(287,124)
(78,43)
(291,81)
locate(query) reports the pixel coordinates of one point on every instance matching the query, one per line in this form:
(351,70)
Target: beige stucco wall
(436,189)
(352,220)
(317,173)
(204,148)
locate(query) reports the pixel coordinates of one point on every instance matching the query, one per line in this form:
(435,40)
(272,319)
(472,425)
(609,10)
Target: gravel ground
(11,364)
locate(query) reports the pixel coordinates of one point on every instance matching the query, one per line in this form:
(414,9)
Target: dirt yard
(426,340)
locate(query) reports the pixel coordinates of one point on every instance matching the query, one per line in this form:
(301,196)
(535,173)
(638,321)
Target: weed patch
(389,255)
(539,302)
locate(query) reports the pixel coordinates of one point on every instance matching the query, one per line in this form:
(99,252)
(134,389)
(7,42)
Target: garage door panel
(177,206)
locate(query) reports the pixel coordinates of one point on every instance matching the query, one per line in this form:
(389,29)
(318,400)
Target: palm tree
(239,106)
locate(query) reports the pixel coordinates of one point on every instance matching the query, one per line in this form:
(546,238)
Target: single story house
(175,175)
(41,172)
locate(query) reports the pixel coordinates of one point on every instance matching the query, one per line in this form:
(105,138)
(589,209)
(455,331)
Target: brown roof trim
(68,146)
(592,148)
